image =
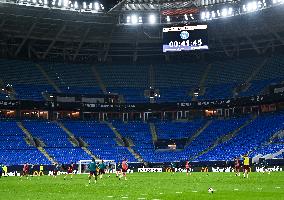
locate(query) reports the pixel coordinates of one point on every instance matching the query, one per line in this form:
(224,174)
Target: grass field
(161,186)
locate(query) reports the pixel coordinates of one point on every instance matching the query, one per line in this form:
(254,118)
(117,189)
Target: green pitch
(163,186)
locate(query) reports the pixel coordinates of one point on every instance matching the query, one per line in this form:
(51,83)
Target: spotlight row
(65,4)
(277,1)
(135,19)
(225,12)
(211,13)
(155,18)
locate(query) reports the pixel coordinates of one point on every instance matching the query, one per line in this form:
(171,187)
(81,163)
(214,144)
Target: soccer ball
(210,190)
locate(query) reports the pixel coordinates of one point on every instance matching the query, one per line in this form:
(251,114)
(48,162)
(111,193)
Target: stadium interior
(54,57)
(70,138)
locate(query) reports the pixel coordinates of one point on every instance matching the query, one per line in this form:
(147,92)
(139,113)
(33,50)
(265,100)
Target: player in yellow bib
(246,165)
(5,170)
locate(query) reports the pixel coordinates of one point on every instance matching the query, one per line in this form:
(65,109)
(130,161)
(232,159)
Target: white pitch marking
(277,187)
(236,189)
(194,191)
(109,196)
(178,192)
(141,198)
(161,193)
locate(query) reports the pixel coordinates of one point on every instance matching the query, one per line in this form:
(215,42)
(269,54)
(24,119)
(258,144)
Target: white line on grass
(277,187)
(194,191)
(141,198)
(178,192)
(236,189)
(110,196)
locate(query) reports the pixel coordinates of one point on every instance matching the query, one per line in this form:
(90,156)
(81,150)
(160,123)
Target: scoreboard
(185,38)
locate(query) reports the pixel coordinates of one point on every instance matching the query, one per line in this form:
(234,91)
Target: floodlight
(97,6)
(168,19)
(134,19)
(140,19)
(252,6)
(128,19)
(259,4)
(207,15)
(203,15)
(152,19)
(76,5)
(185,17)
(224,12)
(230,11)
(65,3)
(59,3)
(213,14)
(218,13)
(84,5)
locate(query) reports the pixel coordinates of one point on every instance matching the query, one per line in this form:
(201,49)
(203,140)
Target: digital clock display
(185,38)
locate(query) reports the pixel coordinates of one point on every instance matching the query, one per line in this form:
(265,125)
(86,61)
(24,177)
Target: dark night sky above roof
(108,4)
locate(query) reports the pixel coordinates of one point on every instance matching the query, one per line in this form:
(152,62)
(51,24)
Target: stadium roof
(40,33)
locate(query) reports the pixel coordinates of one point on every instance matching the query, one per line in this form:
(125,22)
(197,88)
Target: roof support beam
(274,33)
(253,45)
(247,35)
(278,37)
(25,39)
(53,41)
(107,45)
(82,41)
(118,7)
(268,46)
(32,50)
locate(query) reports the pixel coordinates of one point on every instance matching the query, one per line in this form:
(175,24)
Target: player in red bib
(124,167)
(70,170)
(237,166)
(26,170)
(188,168)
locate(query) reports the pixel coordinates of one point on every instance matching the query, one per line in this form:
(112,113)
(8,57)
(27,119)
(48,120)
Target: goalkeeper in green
(93,170)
